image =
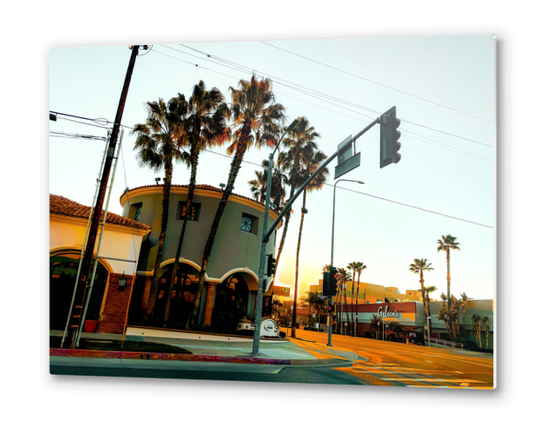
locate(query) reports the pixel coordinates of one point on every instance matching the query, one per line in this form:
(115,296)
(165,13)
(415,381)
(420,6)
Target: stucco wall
(233,248)
(117,243)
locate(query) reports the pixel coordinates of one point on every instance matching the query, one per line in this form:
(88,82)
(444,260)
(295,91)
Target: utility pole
(81,285)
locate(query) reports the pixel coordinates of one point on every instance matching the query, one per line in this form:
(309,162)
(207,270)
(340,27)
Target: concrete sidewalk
(206,347)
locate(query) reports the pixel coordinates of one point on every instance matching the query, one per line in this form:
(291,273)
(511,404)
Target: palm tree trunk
(163,227)
(284,231)
(352,304)
(357,295)
(234,170)
(346,303)
(294,314)
(191,190)
(448,273)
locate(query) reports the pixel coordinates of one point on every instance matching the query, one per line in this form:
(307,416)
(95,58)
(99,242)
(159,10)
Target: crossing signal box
(389,146)
(330,282)
(331,308)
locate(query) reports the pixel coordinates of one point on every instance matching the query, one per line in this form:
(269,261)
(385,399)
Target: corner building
(231,279)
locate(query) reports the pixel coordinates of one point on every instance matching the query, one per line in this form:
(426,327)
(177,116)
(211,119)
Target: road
(379,363)
(397,364)
(199,371)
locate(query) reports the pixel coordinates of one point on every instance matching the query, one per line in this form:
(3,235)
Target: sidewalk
(204,347)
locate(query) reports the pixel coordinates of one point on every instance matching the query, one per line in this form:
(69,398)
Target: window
(135,211)
(249,223)
(194,211)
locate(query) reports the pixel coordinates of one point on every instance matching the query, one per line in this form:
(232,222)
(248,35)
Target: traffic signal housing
(271,265)
(389,146)
(330,282)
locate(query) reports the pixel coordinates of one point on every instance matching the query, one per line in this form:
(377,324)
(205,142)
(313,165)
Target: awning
(390,300)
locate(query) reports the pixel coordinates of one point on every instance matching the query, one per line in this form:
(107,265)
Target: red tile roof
(59,205)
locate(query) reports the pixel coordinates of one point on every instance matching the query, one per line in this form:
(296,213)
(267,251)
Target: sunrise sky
(444,92)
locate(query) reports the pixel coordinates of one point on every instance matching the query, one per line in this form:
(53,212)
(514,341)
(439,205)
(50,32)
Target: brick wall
(116,305)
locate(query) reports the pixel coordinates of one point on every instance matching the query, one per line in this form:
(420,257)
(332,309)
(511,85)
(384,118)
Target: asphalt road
(200,371)
(379,363)
(397,364)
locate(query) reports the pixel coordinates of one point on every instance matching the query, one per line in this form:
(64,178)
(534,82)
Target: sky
(443,89)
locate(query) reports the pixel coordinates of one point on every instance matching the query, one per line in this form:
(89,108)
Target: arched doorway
(63,272)
(231,303)
(183,294)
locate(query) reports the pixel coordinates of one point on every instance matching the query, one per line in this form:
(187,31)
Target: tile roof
(59,205)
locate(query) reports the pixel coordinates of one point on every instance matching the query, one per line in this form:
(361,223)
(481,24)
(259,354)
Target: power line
(74,135)
(446,146)
(314,93)
(373,196)
(378,83)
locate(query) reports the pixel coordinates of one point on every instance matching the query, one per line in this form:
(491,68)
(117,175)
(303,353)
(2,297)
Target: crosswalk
(389,374)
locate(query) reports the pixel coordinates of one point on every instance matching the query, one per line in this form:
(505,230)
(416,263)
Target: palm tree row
(445,244)
(179,130)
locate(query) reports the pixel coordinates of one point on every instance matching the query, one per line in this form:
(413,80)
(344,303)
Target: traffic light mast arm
(306,183)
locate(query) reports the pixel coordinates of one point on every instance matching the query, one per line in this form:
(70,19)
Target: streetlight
(332,246)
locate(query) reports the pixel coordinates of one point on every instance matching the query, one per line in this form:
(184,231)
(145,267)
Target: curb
(105,354)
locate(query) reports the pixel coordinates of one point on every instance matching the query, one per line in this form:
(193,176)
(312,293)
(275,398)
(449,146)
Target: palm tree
(353,266)
(299,140)
(418,267)
(344,276)
(360,268)
(156,146)
(311,160)
(258,186)
(203,127)
(256,119)
(447,243)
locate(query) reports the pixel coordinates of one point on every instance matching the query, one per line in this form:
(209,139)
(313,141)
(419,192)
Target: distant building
(411,319)
(373,293)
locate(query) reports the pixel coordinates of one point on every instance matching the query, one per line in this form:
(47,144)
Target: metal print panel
(198,229)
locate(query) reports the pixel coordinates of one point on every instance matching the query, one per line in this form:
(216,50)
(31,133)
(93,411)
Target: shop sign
(386,314)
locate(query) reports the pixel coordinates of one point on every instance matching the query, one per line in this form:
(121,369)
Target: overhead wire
(378,83)
(315,93)
(245,69)
(371,195)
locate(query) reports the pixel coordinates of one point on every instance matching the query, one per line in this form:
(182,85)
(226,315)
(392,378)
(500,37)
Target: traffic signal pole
(81,285)
(267,233)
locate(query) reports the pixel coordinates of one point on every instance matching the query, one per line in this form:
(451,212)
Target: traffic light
(389,146)
(331,308)
(330,282)
(271,265)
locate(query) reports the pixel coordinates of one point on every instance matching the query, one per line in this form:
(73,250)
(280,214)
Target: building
(231,280)
(411,320)
(372,293)
(119,250)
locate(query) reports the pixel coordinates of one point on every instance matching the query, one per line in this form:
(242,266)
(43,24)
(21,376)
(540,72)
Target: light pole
(332,247)
(261,280)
